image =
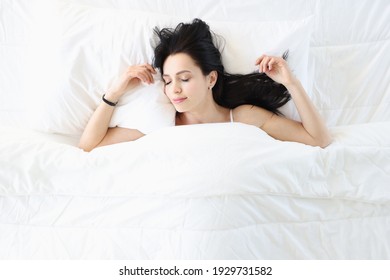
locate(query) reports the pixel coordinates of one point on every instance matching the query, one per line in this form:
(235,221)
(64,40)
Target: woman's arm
(311,120)
(312,130)
(97,133)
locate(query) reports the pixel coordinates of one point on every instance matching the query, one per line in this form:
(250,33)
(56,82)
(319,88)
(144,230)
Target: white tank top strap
(231,116)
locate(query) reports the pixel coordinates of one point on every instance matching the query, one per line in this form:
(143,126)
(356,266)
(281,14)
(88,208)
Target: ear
(212,77)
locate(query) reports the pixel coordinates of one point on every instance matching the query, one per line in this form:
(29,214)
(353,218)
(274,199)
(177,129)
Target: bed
(208,191)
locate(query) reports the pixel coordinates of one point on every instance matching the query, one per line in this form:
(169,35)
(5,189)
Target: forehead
(179,62)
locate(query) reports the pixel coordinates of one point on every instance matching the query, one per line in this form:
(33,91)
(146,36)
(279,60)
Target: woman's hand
(132,77)
(276,68)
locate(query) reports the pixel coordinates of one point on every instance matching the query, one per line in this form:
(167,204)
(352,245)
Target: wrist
(293,82)
(109,101)
(112,96)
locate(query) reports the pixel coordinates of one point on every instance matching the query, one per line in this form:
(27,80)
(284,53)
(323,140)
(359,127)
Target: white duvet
(214,191)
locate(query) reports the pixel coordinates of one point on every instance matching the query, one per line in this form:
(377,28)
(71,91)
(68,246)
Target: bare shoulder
(252,115)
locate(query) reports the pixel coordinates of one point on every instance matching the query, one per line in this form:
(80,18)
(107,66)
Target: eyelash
(183,80)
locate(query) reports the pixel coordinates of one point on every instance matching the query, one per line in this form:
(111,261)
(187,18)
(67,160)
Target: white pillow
(83,48)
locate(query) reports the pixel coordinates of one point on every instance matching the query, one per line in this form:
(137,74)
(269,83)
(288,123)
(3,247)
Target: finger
(271,63)
(259,59)
(264,64)
(150,68)
(142,76)
(140,73)
(149,78)
(259,62)
(148,75)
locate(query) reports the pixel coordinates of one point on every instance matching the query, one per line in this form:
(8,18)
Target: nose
(176,88)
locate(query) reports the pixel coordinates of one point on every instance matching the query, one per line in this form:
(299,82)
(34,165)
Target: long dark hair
(231,90)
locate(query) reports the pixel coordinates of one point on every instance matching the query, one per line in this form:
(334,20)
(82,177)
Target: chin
(180,110)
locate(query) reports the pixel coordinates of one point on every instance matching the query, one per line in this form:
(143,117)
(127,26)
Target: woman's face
(185,84)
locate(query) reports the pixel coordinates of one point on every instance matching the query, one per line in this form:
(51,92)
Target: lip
(179,100)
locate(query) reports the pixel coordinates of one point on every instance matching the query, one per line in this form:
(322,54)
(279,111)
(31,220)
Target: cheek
(168,90)
(194,88)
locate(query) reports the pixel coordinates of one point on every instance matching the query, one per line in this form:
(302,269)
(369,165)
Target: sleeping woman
(202,92)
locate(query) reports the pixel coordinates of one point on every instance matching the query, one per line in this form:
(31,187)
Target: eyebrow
(178,73)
